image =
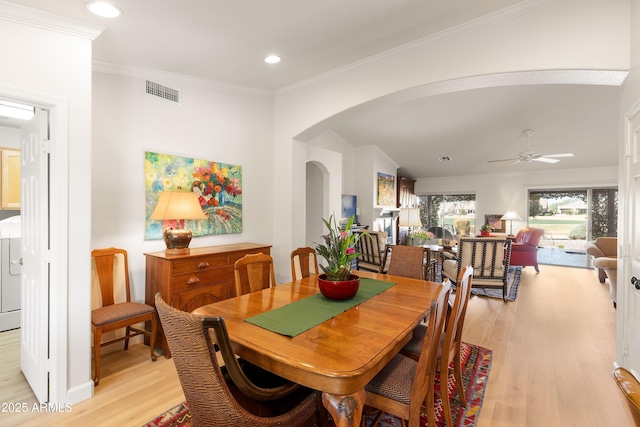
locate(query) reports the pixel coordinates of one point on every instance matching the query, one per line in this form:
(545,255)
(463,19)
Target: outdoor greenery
(604,212)
(579,232)
(462,226)
(440,210)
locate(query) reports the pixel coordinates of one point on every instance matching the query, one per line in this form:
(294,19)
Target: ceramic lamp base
(177,241)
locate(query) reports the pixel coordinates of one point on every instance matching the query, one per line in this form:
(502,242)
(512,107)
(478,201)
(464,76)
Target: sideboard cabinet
(188,281)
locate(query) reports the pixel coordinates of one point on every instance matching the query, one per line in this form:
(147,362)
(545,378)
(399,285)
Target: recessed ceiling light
(272,59)
(104,9)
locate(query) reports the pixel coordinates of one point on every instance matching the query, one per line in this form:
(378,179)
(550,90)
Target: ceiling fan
(528,155)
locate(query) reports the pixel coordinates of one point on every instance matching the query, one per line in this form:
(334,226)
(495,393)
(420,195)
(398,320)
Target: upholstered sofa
(602,247)
(524,249)
(605,253)
(610,267)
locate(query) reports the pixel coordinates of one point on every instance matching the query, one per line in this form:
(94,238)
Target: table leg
(346,410)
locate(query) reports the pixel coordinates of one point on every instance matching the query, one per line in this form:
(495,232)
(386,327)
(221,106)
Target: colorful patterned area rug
(476,362)
(513,282)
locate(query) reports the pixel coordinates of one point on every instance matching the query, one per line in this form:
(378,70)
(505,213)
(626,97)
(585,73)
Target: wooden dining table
(339,356)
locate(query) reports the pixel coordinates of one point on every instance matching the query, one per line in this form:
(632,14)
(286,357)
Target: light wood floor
(553,352)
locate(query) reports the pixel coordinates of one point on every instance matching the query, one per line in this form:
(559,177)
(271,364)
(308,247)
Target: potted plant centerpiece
(486,229)
(418,237)
(337,282)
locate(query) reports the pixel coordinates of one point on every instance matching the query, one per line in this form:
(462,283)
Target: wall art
(218,185)
(386,190)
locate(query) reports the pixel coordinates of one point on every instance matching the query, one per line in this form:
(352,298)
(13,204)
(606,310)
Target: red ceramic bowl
(339,290)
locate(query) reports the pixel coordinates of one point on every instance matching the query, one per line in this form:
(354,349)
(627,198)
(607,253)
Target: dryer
(10,273)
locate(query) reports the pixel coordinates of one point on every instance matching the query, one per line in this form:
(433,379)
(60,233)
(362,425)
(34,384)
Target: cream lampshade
(409,217)
(178,205)
(510,216)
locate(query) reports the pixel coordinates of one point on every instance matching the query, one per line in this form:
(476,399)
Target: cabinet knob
(193,280)
(203,264)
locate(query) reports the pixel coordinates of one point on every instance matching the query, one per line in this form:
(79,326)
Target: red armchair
(524,249)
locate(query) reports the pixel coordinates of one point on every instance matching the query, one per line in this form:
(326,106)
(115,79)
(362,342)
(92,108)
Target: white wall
(9,137)
(210,124)
(496,194)
(501,49)
(44,63)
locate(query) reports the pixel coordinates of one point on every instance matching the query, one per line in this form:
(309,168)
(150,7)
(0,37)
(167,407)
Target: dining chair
(404,384)
(117,311)
(371,247)
(450,346)
(408,261)
(630,387)
(489,257)
(230,395)
(253,272)
(304,263)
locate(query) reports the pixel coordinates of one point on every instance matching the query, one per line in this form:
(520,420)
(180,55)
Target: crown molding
(488,20)
(164,76)
(48,21)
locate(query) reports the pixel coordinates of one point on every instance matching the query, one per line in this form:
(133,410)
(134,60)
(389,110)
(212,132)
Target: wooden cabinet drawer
(201,278)
(199,263)
(204,276)
(190,299)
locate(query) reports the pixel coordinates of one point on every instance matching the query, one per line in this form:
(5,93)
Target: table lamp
(179,206)
(409,217)
(510,216)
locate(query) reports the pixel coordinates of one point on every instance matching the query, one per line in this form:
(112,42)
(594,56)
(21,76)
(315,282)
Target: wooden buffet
(203,276)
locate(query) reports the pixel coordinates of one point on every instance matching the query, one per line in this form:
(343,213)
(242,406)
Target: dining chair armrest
(449,255)
(234,369)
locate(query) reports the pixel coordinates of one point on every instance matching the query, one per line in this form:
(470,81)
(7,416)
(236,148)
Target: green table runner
(296,317)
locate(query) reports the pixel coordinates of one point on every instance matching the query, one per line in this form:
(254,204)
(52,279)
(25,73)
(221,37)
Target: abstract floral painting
(386,190)
(218,185)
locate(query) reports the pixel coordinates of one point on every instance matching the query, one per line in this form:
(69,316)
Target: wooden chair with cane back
(404,384)
(111,268)
(410,261)
(449,351)
(238,393)
(304,263)
(254,272)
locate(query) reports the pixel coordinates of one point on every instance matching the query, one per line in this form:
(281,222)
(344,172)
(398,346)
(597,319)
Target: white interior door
(34,188)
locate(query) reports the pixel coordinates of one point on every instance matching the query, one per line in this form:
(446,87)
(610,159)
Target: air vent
(161,91)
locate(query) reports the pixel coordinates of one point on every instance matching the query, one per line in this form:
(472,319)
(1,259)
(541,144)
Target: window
(448,214)
(570,217)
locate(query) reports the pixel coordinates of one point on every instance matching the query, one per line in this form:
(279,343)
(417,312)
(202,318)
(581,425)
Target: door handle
(635,282)
(16,262)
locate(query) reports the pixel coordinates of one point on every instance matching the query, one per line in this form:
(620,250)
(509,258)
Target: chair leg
(444,395)
(97,338)
(126,341)
(152,339)
(457,371)
(536,267)
(430,406)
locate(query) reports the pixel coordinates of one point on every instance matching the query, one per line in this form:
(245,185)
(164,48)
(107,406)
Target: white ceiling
(228,40)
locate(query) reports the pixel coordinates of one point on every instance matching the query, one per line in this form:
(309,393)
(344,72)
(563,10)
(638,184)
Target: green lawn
(557,225)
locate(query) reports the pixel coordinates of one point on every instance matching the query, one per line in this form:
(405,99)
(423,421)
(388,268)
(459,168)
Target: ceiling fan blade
(558,155)
(503,160)
(545,160)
